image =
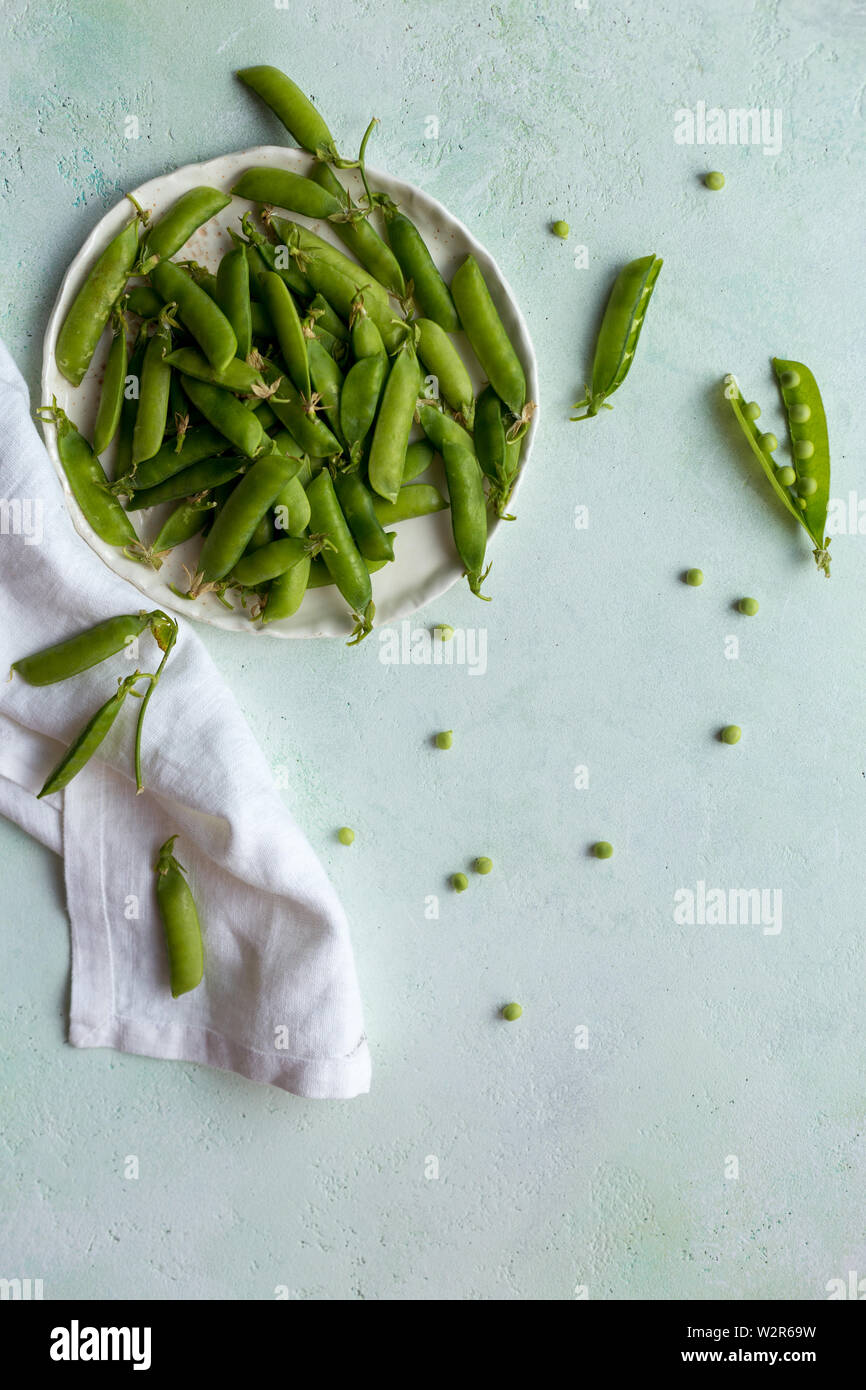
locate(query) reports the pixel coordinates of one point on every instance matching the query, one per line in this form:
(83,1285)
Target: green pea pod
(129,406)
(189,482)
(440,429)
(83,651)
(113,384)
(180,923)
(292,509)
(429,290)
(143,301)
(359,400)
(226,413)
(286,593)
(187,520)
(361,236)
(327,318)
(269,562)
(810,449)
(262,256)
(263,534)
(334,346)
(200,442)
(233,528)
(413,499)
(486,332)
(444,362)
(285,189)
(237,376)
(261,323)
(204,278)
(489,435)
(391,435)
(90,310)
(328,381)
(297,112)
(344,561)
(83,747)
(233,297)
(312,434)
(419,457)
(359,509)
(320,576)
(200,314)
(338,279)
(366,338)
(290,335)
(468,512)
(152,412)
(87,481)
(619,333)
(804,391)
(176,226)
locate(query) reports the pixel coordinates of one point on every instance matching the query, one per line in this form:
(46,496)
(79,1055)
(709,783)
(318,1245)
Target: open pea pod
(619,333)
(747,413)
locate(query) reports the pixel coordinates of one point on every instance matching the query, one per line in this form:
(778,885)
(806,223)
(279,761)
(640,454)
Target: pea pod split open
(619,333)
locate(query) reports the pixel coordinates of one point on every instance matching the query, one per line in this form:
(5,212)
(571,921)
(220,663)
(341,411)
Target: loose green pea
(444,632)
(459,882)
(714,180)
(560,229)
(803,449)
(768,442)
(749,606)
(802,503)
(445,739)
(511,1012)
(695,578)
(345,835)
(789,379)
(752,410)
(800,413)
(786,476)
(602,850)
(807,487)
(483,865)
(731,733)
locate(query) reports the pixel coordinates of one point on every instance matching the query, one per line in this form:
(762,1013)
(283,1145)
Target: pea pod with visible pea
(619,333)
(180,922)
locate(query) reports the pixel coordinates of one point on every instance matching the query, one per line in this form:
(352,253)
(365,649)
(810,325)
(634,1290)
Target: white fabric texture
(279,1001)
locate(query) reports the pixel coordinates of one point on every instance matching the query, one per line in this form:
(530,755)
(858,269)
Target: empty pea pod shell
(486,332)
(620,330)
(90,310)
(180,922)
(176,226)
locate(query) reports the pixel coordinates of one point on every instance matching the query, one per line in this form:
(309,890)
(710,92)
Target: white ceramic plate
(426,564)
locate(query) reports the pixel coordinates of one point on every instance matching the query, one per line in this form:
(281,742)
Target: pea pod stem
(165,634)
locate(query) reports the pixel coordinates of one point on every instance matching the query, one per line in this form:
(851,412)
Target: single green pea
(807,487)
(511,1012)
(752,410)
(345,835)
(786,476)
(483,865)
(731,733)
(714,180)
(768,442)
(800,413)
(560,229)
(695,578)
(802,503)
(445,739)
(459,882)
(443,632)
(789,379)
(602,849)
(749,606)
(803,449)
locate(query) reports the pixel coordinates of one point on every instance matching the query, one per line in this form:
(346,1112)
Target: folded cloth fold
(279,1001)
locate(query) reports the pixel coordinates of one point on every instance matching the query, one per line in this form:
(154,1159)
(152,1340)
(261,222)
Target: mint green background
(558,1167)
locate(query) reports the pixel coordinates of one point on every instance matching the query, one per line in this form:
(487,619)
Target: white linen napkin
(279,1001)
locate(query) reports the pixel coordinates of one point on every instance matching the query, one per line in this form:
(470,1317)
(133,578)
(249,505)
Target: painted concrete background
(708,1140)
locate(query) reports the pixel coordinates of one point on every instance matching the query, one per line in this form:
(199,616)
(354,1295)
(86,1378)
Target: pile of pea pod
(277,397)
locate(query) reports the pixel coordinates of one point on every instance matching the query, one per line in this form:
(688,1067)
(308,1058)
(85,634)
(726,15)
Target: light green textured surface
(559,1166)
